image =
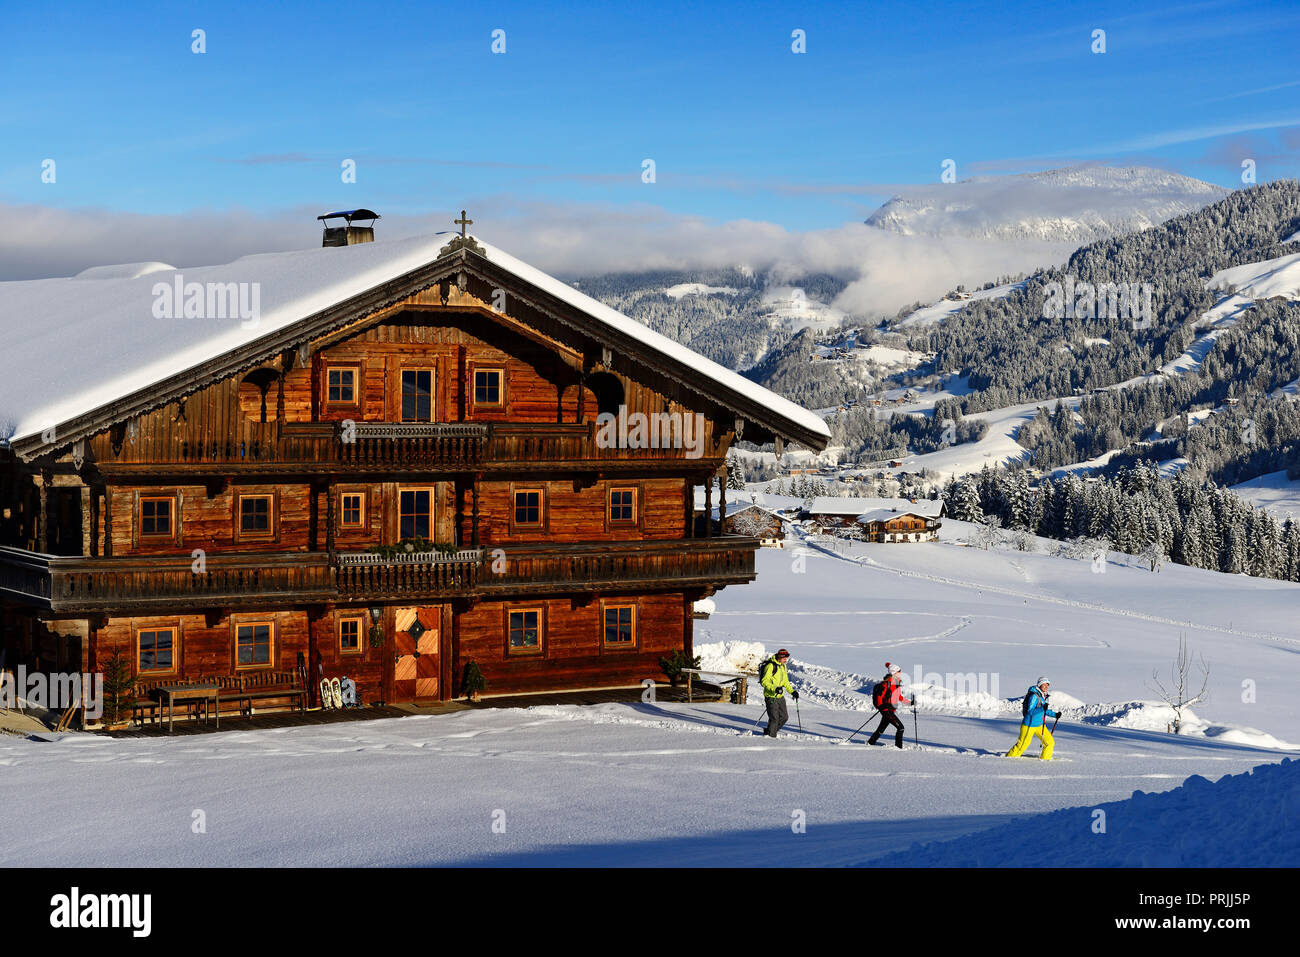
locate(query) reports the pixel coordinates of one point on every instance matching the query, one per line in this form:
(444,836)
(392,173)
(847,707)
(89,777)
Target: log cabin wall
(204,647)
(570,514)
(233,420)
(365,665)
(572,654)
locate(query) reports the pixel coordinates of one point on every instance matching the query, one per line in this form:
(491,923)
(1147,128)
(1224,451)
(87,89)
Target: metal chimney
(349,235)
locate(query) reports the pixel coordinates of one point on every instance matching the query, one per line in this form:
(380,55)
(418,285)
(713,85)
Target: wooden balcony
(327,448)
(152,583)
(573,446)
(155,585)
(369,577)
(390,446)
(613,566)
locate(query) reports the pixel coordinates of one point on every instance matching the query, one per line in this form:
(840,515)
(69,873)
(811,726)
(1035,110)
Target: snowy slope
(997,447)
(941,310)
(1242,286)
(1254,820)
(657,784)
(624,785)
(948,608)
(1275,492)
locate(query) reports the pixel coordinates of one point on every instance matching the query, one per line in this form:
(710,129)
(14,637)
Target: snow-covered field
(1273,491)
(997,447)
(941,310)
(666,784)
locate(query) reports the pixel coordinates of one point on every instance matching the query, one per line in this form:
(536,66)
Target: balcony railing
(425,575)
(357,446)
(127,585)
(92,584)
(679,563)
(432,445)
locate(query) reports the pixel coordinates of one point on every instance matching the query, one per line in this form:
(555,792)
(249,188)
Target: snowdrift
(1242,820)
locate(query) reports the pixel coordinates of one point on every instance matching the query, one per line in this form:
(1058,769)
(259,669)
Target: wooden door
(415,672)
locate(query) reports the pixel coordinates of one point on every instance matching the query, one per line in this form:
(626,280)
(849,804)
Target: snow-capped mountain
(1078,205)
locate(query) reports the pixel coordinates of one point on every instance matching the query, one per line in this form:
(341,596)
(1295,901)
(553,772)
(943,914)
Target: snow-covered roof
(857,505)
(885,514)
(73,346)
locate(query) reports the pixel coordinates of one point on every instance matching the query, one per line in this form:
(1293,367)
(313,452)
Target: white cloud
(886,270)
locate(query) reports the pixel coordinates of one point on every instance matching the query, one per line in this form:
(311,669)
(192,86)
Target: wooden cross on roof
(462,223)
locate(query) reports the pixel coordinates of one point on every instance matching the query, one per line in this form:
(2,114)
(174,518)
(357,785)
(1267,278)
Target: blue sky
(739,126)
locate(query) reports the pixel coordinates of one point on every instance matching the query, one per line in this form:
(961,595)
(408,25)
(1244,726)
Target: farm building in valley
(907,524)
(407,456)
(877,519)
(759,522)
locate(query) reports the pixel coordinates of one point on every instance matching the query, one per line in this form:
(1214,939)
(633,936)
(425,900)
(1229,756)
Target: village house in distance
(379,459)
(877,519)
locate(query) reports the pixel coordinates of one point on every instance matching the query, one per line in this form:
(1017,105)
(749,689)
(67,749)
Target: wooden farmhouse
(757,521)
(388,458)
(913,522)
(878,519)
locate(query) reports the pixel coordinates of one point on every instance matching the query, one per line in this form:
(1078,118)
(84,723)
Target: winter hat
(892,669)
(1042,681)
(781,653)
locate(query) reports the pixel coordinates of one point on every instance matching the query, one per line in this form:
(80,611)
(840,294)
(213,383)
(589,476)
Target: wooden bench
(264,686)
(243,689)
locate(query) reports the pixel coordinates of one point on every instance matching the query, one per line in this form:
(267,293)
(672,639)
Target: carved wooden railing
(663,565)
(424,444)
(359,446)
(92,584)
(126,585)
(573,442)
(25,575)
(418,574)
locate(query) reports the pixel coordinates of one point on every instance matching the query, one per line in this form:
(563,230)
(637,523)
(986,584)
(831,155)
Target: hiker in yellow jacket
(1036,714)
(775,680)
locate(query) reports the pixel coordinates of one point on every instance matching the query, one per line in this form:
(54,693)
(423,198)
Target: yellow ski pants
(1027,734)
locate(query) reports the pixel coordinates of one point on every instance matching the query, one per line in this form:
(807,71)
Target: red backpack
(880,693)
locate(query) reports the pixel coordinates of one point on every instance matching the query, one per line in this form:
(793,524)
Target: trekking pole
(798,715)
(864,724)
(915,730)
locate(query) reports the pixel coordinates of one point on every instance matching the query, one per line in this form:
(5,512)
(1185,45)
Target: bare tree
(1176,695)
(987,533)
(752,522)
(1153,556)
(1023,540)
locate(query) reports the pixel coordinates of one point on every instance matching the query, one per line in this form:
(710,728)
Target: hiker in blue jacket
(1034,725)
